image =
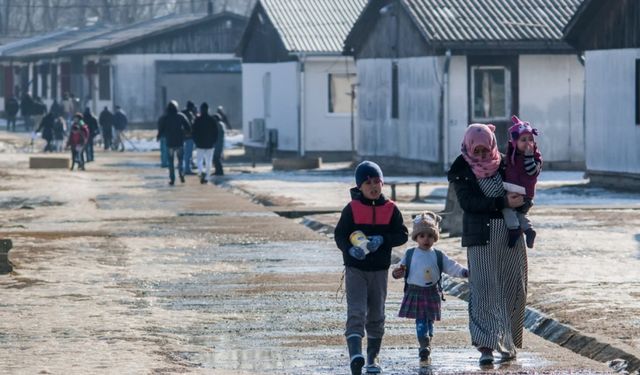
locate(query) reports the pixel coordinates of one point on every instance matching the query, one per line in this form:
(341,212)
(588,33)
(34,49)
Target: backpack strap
(408,255)
(440,266)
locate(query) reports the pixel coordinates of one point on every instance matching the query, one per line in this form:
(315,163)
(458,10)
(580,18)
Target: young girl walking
(422,267)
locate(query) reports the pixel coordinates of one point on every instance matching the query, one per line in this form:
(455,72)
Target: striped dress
(498,278)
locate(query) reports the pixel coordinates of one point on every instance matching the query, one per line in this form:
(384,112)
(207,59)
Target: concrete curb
(617,359)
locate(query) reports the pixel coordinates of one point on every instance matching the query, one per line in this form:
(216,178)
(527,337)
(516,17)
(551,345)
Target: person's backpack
(409,255)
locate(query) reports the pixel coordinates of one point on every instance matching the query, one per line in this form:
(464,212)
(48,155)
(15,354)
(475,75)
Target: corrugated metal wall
(612,136)
(414,135)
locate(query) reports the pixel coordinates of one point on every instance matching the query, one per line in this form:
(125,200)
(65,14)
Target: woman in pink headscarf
(497,273)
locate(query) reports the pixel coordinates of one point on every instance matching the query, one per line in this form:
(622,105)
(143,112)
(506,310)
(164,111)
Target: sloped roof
(313,25)
(50,42)
(492,20)
(99,38)
(134,32)
(460,24)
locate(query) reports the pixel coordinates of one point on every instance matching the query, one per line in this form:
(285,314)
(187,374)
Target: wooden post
(417,197)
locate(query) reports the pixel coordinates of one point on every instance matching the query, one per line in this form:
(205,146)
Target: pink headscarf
(481,135)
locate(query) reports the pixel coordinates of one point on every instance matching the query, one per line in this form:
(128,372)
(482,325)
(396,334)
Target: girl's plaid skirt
(421,303)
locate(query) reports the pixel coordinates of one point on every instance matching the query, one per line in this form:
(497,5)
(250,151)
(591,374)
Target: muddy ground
(116,272)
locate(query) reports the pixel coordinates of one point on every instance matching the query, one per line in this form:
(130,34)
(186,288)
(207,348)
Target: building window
(266,94)
(637,92)
(340,92)
(491,93)
(394,90)
(104,81)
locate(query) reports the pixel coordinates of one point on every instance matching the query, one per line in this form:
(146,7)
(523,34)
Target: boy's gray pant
(514,219)
(366,294)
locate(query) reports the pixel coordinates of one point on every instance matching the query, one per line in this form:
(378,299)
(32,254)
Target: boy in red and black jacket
(366,269)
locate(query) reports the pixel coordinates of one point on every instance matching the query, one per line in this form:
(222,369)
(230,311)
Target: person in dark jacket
(120,122)
(369,215)
(94,130)
(204,137)
(173,126)
(497,273)
(106,123)
(46,127)
(11,108)
(26,110)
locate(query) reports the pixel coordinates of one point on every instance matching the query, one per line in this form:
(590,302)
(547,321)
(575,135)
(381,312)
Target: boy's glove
(399,271)
(357,252)
(374,243)
(465,273)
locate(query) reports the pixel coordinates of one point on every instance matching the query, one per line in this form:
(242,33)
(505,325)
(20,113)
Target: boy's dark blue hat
(366,170)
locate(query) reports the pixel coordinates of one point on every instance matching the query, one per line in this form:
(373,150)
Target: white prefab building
(609,34)
(296,85)
(139,67)
(426,69)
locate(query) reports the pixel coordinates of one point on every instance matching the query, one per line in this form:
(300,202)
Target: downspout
(444,126)
(114,77)
(301,108)
(582,61)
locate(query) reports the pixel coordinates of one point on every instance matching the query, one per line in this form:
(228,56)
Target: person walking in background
(120,123)
(223,116)
(368,228)
(524,163)
(219,145)
(67,107)
(190,112)
(77,140)
(11,108)
(46,127)
(498,274)
(92,123)
(173,127)
(204,136)
(26,110)
(59,132)
(106,123)
(422,269)
(38,110)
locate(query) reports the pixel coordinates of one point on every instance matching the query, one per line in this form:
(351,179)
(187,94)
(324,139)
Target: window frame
(350,79)
(507,93)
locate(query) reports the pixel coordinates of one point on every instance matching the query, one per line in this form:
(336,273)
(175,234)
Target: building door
(493,92)
(217,82)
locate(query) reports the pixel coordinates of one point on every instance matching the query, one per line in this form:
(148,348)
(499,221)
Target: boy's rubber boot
(425,351)
(354,344)
(373,349)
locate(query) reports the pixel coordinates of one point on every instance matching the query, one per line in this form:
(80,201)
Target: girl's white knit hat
(426,222)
